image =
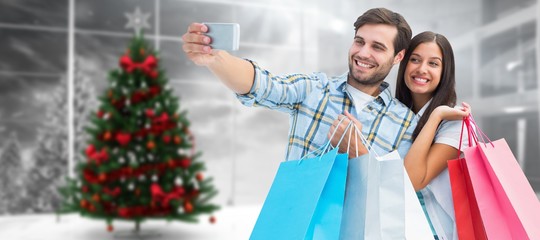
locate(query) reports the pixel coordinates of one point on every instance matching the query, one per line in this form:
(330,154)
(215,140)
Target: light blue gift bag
(380,201)
(305,200)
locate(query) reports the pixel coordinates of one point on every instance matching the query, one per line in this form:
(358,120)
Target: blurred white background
(495,43)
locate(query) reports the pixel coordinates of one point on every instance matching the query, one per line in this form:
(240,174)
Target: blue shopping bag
(305,200)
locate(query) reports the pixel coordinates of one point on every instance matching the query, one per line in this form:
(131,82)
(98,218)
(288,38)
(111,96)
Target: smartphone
(225,36)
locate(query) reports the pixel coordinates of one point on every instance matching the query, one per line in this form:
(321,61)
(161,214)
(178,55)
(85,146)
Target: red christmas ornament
(212,219)
(123,138)
(91,208)
(154,90)
(153,74)
(150,145)
(84,189)
(102,177)
(149,112)
(177,140)
(166,139)
(188,207)
(199,177)
(90,150)
(124,212)
(194,193)
(184,163)
(107,136)
(171,163)
(137,97)
(162,119)
(100,114)
(83,204)
(89,176)
(96,198)
(110,228)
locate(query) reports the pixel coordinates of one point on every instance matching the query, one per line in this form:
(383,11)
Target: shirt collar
(423,109)
(385,97)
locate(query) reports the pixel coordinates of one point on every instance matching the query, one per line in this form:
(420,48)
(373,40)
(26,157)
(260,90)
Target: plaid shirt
(314,101)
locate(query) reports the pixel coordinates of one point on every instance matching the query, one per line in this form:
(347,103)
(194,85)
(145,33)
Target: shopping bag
(354,205)
(416,223)
(468,222)
(305,200)
(508,206)
(385,201)
(380,201)
(518,200)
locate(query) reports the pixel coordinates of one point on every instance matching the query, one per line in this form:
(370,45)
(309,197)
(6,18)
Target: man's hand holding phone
(201,38)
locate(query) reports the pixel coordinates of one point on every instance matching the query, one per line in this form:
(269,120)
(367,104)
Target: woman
(426,84)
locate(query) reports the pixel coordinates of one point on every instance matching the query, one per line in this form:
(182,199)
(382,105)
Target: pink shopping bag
(506,201)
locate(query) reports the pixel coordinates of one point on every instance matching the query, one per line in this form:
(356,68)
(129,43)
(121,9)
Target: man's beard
(372,80)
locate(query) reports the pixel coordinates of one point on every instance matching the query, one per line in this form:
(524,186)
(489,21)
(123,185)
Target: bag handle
(366,143)
(350,127)
(324,148)
(482,134)
(364,140)
(474,133)
(470,134)
(477,133)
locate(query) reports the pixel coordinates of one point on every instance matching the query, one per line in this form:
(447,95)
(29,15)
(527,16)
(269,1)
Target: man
(317,104)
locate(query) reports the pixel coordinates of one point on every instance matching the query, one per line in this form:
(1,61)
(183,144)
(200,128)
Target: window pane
(177,15)
(106,15)
(33,51)
(53,13)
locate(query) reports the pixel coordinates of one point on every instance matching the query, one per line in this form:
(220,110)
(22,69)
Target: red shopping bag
(508,206)
(468,221)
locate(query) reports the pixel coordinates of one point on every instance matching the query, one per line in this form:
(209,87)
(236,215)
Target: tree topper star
(137,20)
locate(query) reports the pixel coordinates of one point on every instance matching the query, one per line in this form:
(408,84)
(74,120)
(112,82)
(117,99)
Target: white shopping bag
(380,201)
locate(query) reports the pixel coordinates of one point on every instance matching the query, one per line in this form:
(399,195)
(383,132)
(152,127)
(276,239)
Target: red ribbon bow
(99,157)
(159,196)
(148,66)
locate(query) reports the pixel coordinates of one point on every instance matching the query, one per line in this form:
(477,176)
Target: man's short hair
(385,16)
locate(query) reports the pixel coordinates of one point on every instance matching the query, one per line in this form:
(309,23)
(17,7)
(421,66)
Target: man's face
(371,55)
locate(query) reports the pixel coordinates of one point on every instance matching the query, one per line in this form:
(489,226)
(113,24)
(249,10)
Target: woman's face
(424,69)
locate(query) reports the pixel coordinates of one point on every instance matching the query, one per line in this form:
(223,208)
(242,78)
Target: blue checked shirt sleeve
(283,93)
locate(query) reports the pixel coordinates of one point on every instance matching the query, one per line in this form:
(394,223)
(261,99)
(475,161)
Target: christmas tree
(11,170)
(140,160)
(50,156)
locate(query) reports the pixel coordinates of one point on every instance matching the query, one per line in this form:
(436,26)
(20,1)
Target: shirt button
(369,107)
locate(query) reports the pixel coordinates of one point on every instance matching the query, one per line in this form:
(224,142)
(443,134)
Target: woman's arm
(425,159)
